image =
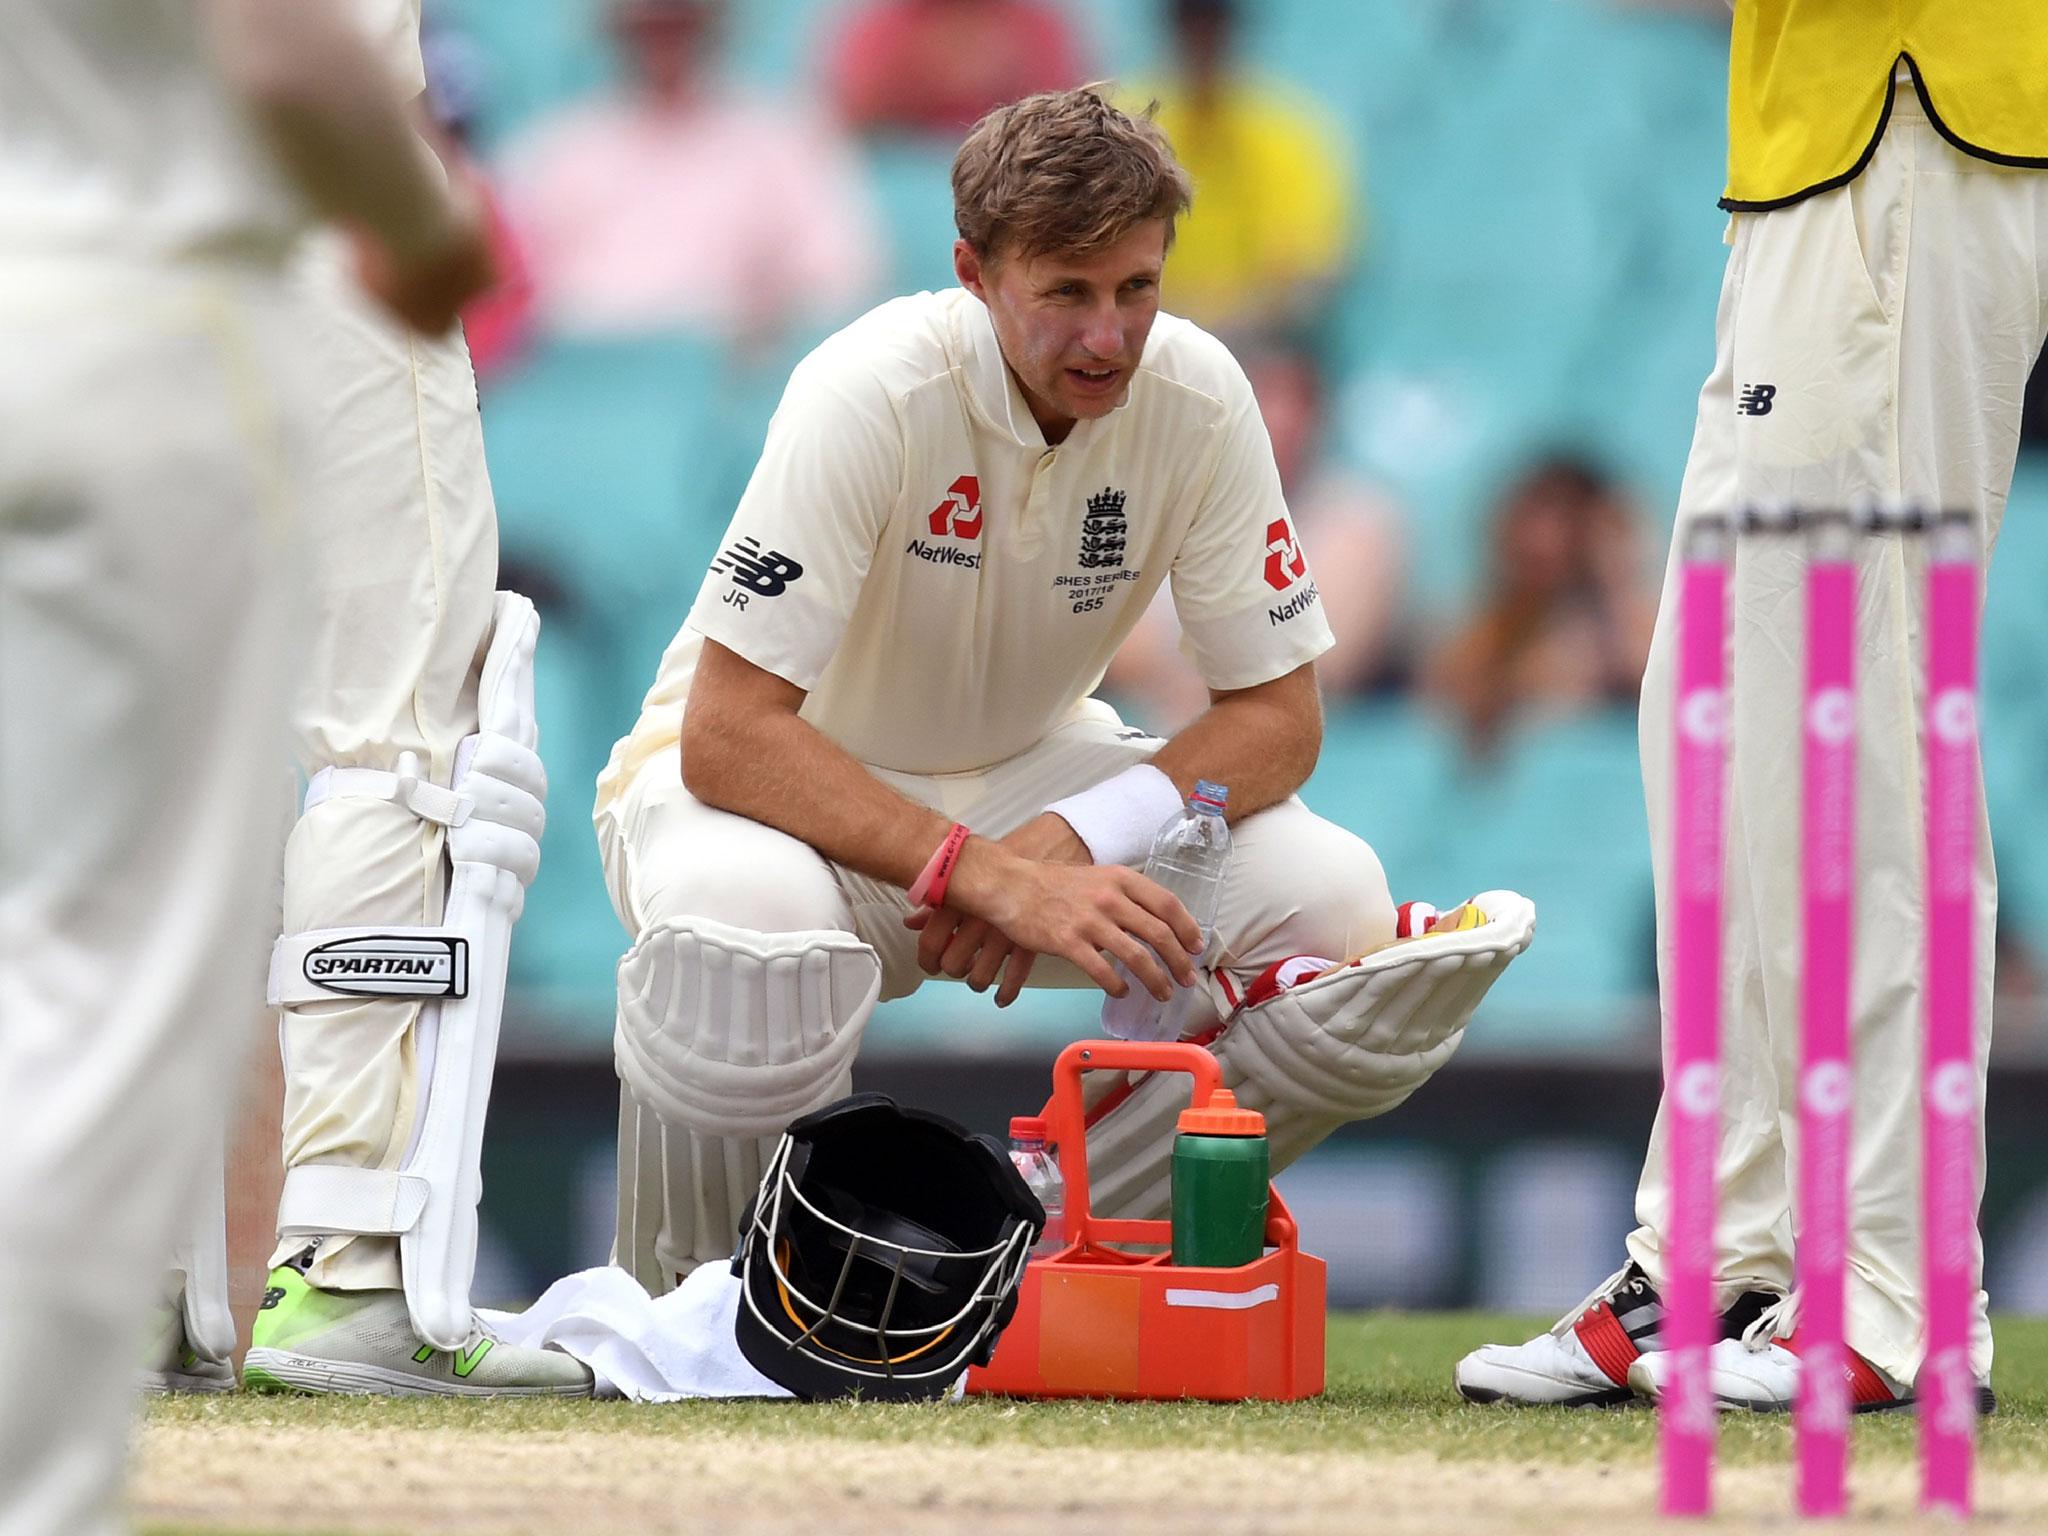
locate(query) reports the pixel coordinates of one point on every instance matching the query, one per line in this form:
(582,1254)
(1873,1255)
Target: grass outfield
(1389,1445)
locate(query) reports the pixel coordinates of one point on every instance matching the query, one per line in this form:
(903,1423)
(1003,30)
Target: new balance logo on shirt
(1755,399)
(761,573)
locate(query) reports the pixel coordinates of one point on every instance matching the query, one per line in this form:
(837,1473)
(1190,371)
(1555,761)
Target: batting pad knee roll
(734,1032)
(1351,1044)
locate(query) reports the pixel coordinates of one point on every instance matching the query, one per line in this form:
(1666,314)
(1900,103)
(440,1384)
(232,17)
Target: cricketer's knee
(1301,886)
(1349,1044)
(724,1035)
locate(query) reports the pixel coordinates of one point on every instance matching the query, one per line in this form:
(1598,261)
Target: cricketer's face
(1072,328)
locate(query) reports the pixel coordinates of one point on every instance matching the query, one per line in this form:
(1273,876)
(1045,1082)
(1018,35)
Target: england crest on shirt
(1103,532)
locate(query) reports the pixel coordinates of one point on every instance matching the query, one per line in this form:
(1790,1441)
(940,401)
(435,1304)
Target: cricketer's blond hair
(1065,173)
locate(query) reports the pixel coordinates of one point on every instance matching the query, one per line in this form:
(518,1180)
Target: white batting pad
(199,1260)
(1349,1045)
(724,1036)
(494,811)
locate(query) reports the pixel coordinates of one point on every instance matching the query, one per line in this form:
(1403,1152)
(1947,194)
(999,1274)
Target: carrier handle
(1067,1119)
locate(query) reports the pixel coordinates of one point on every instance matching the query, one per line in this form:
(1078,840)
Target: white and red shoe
(1759,1373)
(1585,1361)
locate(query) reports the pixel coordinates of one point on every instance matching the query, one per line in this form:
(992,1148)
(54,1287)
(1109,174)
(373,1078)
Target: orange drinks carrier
(1096,1320)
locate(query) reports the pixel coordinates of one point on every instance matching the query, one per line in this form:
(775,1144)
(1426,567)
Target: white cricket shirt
(117,137)
(945,586)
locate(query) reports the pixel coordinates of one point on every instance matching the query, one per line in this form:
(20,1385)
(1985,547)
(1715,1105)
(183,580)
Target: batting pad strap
(328,1200)
(1119,817)
(409,786)
(323,964)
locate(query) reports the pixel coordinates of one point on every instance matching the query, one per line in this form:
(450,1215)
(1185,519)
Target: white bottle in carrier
(1041,1170)
(1188,857)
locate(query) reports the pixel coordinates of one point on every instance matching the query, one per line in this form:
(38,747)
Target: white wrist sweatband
(1119,817)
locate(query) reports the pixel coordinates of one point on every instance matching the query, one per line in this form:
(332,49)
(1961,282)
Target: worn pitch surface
(1389,1448)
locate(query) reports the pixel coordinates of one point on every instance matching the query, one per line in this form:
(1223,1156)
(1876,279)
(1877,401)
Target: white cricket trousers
(403,536)
(146,524)
(1872,341)
(1297,885)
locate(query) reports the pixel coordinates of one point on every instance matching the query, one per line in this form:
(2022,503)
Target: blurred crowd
(689,201)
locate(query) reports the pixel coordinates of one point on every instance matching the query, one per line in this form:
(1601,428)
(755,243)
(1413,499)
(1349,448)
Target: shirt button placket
(1030,532)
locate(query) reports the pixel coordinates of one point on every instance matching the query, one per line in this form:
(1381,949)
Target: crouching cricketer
(871,754)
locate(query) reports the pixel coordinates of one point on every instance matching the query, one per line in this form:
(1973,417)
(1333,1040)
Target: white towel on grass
(652,1350)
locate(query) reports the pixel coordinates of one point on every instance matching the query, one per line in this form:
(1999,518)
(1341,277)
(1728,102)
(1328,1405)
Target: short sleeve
(1247,603)
(792,564)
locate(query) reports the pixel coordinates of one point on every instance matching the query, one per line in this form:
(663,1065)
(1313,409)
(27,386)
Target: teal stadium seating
(611,461)
(1558,816)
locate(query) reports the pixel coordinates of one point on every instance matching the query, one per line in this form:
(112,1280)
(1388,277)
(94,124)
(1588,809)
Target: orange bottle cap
(1027,1128)
(1221,1117)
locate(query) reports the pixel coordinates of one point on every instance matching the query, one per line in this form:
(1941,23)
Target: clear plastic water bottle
(1189,857)
(1041,1170)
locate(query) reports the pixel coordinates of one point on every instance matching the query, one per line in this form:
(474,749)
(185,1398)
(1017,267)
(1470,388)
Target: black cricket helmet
(882,1253)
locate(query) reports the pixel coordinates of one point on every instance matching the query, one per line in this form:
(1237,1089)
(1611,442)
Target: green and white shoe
(362,1343)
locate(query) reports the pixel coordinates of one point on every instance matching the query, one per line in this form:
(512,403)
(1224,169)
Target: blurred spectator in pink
(1564,625)
(1353,535)
(497,323)
(681,203)
(1273,227)
(937,66)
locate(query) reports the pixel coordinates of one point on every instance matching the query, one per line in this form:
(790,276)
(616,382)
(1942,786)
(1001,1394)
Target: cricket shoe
(1759,1373)
(175,1366)
(1584,1361)
(362,1343)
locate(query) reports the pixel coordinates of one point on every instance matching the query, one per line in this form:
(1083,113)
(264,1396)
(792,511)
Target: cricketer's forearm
(746,750)
(1261,741)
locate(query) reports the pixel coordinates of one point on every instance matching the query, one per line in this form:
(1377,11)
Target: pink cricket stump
(1826,1086)
(1947,1387)
(1692,1072)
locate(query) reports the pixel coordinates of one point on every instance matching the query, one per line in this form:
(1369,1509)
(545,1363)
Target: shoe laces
(1781,1317)
(1599,1293)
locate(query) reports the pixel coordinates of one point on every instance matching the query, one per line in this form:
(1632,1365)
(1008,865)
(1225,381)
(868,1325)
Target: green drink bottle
(1219,1184)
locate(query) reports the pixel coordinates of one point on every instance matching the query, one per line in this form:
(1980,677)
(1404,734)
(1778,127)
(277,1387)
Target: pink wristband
(929,888)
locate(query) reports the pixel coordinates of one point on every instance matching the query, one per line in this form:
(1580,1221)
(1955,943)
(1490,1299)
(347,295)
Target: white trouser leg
(404,571)
(144,526)
(1754,1236)
(1897,319)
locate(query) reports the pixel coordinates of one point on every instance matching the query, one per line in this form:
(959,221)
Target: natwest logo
(1284,559)
(959,513)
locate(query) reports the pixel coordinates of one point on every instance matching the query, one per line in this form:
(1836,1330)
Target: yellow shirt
(1271,208)
(1810,85)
